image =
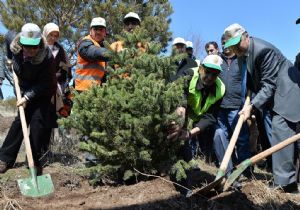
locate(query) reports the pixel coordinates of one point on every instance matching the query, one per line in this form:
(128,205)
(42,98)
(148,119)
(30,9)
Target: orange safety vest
(88,73)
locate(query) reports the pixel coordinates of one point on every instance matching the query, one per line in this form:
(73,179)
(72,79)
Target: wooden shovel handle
(23,123)
(275,148)
(234,137)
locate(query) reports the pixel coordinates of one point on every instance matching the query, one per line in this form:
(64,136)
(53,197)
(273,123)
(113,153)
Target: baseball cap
(178,40)
(30,34)
(233,34)
(98,21)
(189,44)
(213,61)
(132,15)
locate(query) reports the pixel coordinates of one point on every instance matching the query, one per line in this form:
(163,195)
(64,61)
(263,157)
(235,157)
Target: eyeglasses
(30,46)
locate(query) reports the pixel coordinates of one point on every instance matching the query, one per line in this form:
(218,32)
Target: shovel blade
(236,173)
(36,186)
(217,183)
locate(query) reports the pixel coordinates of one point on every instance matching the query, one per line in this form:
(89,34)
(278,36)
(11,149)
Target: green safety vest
(195,96)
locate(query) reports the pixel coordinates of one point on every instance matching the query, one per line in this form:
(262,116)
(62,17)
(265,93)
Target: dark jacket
(63,71)
(274,79)
(184,68)
(88,51)
(231,77)
(36,76)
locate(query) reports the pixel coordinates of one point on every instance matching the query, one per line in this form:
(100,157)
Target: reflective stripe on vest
(88,73)
(195,96)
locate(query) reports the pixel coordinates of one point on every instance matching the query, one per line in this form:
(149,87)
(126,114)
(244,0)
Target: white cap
(50,27)
(189,44)
(30,34)
(98,21)
(233,34)
(178,40)
(213,61)
(132,15)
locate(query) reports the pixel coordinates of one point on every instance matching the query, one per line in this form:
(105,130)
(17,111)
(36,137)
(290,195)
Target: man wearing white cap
(33,64)
(204,94)
(187,62)
(92,57)
(276,83)
(131,21)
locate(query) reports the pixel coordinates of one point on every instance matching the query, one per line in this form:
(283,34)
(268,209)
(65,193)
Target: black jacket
(231,77)
(36,77)
(62,67)
(274,79)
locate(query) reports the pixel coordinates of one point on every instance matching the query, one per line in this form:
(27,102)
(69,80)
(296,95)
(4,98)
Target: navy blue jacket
(231,77)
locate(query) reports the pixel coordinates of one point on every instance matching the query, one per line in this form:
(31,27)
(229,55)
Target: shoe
(3,167)
(236,185)
(290,188)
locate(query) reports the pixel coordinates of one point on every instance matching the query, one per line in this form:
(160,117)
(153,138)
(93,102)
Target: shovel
(221,172)
(249,162)
(35,186)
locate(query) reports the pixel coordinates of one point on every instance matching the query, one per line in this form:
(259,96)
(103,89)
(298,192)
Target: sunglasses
(31,46)
(211,72)
(132,22)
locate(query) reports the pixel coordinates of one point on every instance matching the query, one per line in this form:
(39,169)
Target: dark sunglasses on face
(98,28)
(132,22)
(211,72)
(31,46)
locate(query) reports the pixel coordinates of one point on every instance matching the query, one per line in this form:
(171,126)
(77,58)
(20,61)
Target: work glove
(22,102)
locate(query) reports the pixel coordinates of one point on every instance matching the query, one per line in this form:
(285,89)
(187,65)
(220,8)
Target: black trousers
(37,117)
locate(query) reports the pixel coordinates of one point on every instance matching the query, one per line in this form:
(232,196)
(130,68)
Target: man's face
(98,33)
(30,51)
(131,24)
(241,48)
(208,75)
(225,50)
(211,50)
(180,48)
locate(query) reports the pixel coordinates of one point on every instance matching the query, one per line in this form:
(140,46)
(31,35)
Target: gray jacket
(274,79)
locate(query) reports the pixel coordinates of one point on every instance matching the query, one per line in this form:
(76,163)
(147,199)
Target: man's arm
(269,66)
(88,51)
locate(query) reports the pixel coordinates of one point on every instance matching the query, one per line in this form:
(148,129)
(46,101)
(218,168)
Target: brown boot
(3,167)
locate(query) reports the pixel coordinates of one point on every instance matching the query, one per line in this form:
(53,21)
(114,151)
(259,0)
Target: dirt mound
(73,191)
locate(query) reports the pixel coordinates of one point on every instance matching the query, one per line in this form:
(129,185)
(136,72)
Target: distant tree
(74,17)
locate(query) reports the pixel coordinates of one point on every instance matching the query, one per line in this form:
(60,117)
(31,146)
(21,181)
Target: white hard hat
(98,21)
(30,34)
(132,15)
(189,44)
(178,40)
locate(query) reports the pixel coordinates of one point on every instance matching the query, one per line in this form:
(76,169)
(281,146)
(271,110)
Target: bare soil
(72,190)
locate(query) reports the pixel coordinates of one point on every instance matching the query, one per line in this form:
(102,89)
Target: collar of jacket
(201,87)
(16,48)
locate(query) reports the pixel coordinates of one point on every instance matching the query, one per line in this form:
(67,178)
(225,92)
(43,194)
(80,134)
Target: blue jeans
(227,120)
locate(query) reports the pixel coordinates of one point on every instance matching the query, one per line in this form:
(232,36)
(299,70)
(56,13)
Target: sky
(271,20)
